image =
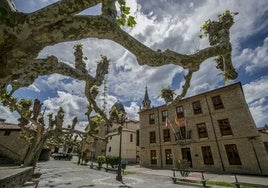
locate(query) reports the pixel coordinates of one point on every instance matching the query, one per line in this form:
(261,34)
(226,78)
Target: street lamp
(118,115)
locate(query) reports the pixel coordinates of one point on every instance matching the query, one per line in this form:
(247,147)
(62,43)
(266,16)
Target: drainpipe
(251,139)
(216,139)
(160,144)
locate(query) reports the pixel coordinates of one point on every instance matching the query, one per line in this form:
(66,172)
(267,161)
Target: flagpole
(173,129)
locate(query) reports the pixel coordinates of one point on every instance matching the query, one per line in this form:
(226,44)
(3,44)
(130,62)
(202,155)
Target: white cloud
(8,116)
(253,60)
(73,105)
(257,98)
(256,89)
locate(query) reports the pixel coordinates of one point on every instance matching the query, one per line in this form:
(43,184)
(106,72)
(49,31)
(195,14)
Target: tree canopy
(24,35)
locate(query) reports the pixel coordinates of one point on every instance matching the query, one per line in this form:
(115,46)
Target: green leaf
(131,21)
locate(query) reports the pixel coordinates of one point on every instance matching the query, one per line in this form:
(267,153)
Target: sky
(161,24)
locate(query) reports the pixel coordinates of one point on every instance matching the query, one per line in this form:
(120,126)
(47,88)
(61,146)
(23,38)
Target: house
(12,147)
(213,131)
(264,135)
(91,147)
(130,141)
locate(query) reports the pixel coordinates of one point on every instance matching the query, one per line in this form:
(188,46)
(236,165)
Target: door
(186,154)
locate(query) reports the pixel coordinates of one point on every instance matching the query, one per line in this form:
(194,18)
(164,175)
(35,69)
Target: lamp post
(118,115)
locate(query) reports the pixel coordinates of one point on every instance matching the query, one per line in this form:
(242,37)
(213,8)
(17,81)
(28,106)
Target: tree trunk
(33,153)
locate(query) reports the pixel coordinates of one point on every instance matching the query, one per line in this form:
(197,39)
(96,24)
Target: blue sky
(161,24)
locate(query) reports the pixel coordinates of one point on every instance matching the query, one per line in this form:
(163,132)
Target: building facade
(12,147)
(213,131)
(130,141)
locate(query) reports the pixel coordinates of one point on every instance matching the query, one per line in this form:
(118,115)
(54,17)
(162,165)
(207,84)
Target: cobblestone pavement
(70,175)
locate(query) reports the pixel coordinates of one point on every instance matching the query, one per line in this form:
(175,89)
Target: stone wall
(14,177)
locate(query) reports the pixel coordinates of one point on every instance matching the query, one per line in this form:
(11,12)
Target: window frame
(152,139)
(7,133)
(207,155)
(153,157)
(202,134)
(151,119)
(169,157)
(232,150)
(166,135)
(197,109)
(164,115)
(225,131)
(180,111)
(217,102)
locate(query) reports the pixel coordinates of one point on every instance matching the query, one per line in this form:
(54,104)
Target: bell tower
(146,101)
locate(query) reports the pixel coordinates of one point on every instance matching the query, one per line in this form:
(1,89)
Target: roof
(237,84)
(9,126)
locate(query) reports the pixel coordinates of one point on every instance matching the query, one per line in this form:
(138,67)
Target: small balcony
(183,135)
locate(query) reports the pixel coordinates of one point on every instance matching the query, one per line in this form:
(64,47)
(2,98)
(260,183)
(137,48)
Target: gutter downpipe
(214,132)
(159,133)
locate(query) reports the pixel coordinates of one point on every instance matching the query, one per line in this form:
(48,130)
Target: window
(232,154)
(197,107)
(166,135)
(110,149)
(7,133)
(202,130)
(183,133)
(180,112)
(164,115)
(152,137)
(225,127)
(169,159)
(151,119)
(217,102)
(111,137)
(131,137)
(207,155)
(137,137)
(153,157)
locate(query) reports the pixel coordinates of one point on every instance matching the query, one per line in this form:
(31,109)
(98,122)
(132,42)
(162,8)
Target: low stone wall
(14,177)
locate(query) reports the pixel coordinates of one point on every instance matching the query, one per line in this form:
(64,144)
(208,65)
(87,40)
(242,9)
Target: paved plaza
(70,175)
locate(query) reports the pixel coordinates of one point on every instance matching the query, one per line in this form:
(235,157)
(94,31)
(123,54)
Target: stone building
(214,131)
(12,148)
(91,147)
(130,141)
(264,135)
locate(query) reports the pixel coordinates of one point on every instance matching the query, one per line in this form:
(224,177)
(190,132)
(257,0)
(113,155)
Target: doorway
(186,154)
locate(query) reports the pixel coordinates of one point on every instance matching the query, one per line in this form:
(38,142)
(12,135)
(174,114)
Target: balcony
(183,135)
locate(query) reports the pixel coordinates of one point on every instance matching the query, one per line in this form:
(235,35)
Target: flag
(185,121)
(177,122)
(166,123)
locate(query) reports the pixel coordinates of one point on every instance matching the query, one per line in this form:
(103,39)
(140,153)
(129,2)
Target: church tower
(146,101)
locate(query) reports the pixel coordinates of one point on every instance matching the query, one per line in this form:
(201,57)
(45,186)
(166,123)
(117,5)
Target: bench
(110,169)
(184,175)
(239,183)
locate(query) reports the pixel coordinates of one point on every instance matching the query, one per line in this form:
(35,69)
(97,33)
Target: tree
(32,121)
(23,36)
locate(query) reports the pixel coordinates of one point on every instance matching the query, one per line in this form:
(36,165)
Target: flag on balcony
(172,128)
(166,123)
(177,122)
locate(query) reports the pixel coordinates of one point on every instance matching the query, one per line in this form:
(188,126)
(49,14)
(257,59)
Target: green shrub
(112,160)
(101,159)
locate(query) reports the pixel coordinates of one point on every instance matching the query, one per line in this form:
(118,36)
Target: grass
(215,183)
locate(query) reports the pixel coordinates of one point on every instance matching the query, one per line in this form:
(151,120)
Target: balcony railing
(183,135)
